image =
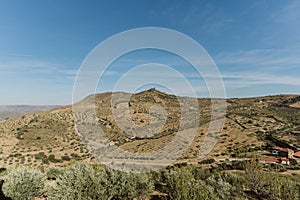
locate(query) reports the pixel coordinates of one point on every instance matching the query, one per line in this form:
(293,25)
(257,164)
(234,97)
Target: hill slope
(251,125)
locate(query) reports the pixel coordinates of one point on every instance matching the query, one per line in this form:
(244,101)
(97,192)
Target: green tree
(256,178)
(23,183)
(226,185)
(181,185)
(84,181)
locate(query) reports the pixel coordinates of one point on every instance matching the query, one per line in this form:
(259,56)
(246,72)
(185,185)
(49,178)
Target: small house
(285,161)
(284,152)
(112,143)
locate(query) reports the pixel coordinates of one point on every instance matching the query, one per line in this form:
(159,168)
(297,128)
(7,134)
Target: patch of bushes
(268,185)
(52,173)
(23,183)
(45,161)
(293,162)
(76,156)
(207,161)
(40,156)
(83,181)
(226,185)
(239,165)
(181,185)
(86,181)
(183,164)
(52,159)
(65,158)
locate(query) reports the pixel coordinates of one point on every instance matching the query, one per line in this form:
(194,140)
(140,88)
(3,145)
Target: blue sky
(255,44)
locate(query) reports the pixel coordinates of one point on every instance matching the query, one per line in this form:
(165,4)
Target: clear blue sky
(255,44)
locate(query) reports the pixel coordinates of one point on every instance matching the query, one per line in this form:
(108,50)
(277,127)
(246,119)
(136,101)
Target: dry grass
(247,122)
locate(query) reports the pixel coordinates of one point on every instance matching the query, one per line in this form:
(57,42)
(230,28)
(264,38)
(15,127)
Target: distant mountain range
(11,111)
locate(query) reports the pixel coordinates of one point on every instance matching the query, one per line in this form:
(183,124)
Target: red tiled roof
(284,159)
(274,160)
(284,149)
(297,154)
(290,150)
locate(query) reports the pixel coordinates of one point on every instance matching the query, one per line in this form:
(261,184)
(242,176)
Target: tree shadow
(2,196)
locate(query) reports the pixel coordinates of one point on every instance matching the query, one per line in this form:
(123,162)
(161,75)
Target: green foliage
(40,155)
(87,182)
(282,188)
(271,185)
(23,183)
(226,185)
(181,185)
(207,161)
(76,156)
(182,164)
(45,161)
(239,165)
(124,185)
(52,158)
(21,131)
(65,158)
(198,183)
(3,171)
(53,173)
(83,181)
(256,178)
(293,162)
(79,181)
(200,173)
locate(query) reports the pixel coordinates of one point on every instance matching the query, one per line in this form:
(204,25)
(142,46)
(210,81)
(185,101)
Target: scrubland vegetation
(92,181)
(44,158)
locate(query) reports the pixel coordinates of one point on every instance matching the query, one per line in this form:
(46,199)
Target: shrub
(200,173)
(53,173)
(282,169)
(124,185)
(23,183)
(45,161)
(181,185)
(226,185)
(207,161)
(288,190)
(293,162)
(79,181)
(282,188)
(183,164)
(76,156)
(239,165)
(40,155)
(52,158)
(271,185)
(65,158)
(2,170)
(83,181)
(256,178)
